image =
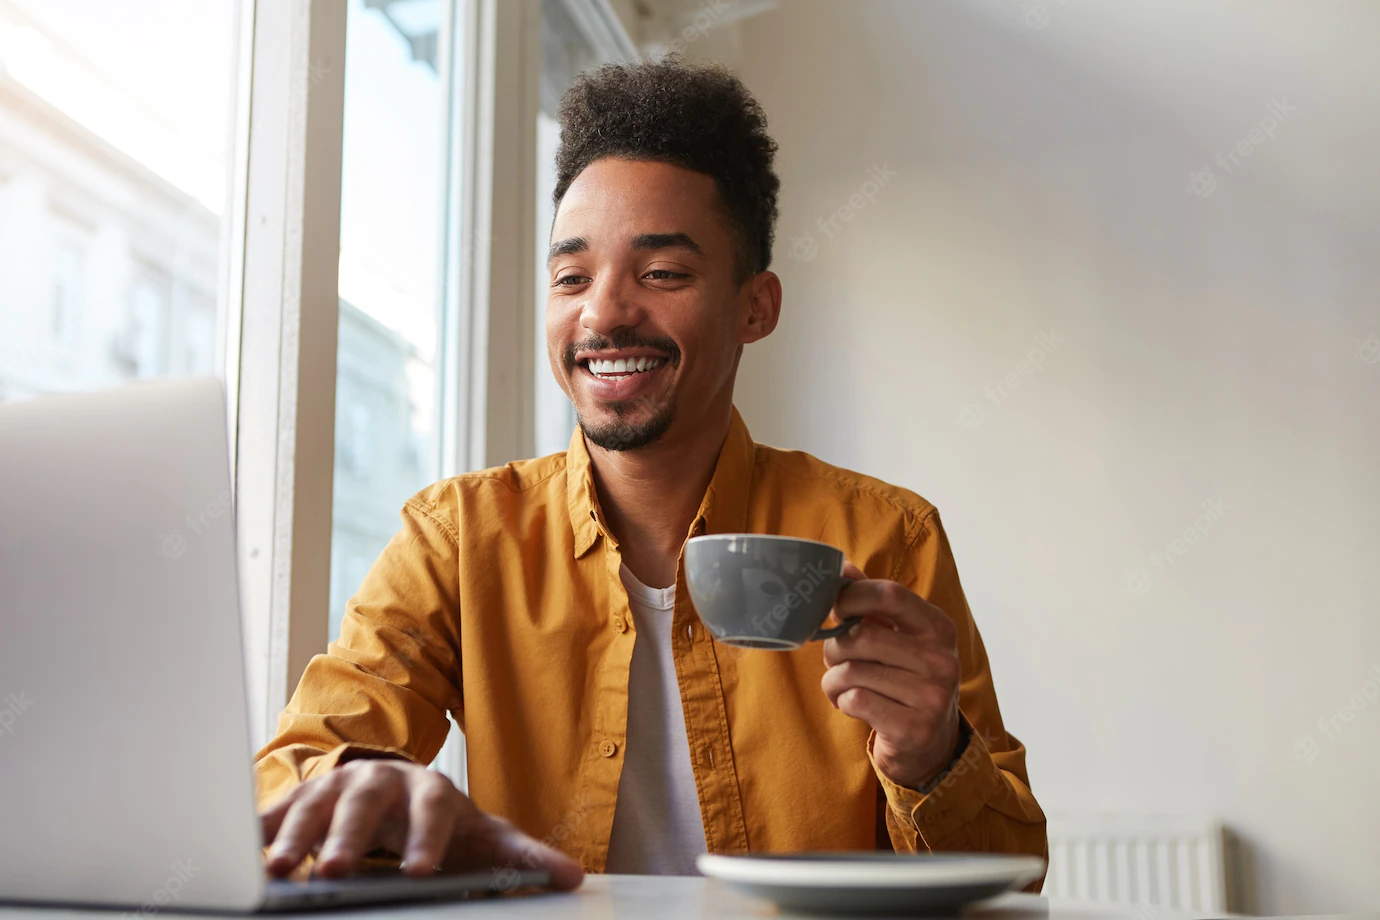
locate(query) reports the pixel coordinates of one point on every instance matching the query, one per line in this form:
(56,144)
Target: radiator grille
(1168,862)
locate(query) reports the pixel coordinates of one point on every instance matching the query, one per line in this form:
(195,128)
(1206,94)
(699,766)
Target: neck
(650,496)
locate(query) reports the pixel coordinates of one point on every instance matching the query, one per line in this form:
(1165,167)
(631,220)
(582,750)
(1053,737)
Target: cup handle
(844,625)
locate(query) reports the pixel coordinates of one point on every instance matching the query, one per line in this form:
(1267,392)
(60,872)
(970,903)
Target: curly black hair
(700,117)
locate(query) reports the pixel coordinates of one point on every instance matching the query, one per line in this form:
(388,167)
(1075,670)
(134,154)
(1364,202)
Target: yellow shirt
(500,601)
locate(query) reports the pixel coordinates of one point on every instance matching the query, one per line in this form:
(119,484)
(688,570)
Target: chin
(610,429)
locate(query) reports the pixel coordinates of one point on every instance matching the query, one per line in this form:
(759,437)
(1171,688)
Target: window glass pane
(391,209)
(566,51)
(114,149)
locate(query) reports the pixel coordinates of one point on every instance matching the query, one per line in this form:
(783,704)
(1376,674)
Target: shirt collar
(723,510)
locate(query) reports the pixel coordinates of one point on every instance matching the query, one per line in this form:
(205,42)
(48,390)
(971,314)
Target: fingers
(272,819)
(306,822)
(373,789)
(908,611)
(515,848)
(886,716)
(905,727)
(434,808)
(897,685)
(367,803)
(874,641)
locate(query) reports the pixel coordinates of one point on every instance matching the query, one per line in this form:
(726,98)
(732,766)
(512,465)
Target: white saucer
(873,883)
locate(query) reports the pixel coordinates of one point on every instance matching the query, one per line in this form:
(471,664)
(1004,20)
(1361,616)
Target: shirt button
(620,624)
(608,748)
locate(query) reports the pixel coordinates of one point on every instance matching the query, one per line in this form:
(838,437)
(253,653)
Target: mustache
(621,339)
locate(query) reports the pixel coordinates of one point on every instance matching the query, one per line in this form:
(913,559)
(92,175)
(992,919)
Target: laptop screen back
(124,745)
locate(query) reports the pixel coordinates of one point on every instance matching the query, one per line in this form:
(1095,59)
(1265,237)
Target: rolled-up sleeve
(983,801)
(384,688)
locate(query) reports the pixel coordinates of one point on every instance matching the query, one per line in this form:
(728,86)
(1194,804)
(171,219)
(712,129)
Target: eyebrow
(643,241)
(566,247)
(667,241)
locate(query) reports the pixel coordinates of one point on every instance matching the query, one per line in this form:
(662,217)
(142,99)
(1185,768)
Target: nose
(610,306)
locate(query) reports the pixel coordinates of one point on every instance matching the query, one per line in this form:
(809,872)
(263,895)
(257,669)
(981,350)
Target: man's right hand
(366,804)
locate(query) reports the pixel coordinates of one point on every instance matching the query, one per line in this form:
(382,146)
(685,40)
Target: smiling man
(543,603)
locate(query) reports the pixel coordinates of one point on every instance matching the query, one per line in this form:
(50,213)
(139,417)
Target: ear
(761,307)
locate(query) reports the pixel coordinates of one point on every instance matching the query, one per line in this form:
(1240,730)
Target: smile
(621,367)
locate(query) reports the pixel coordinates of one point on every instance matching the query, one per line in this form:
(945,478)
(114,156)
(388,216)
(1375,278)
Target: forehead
(622,198)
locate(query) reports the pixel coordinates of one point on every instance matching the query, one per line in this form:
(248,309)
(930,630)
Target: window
(69,284)
(168,206)
(574,37)
(194,333)
(143,341)
(391,224)
(113,141)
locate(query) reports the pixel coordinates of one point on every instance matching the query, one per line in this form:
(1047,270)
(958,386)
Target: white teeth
(601,367)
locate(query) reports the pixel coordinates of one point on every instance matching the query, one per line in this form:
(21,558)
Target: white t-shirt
(657,828)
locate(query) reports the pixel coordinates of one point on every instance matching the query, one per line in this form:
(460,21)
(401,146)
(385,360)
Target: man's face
(644,318)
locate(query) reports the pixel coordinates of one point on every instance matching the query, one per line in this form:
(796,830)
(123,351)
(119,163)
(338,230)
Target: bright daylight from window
(386,415)
(114,144)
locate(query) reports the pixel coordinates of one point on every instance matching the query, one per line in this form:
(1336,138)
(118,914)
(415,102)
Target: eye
(661,274)
(569,280)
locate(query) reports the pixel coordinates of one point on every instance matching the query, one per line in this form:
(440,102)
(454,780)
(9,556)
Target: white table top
(661,898)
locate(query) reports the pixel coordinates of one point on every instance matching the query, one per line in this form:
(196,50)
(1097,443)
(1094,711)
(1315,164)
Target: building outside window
(113,144)
(391,225)
(69,269)
(128,251)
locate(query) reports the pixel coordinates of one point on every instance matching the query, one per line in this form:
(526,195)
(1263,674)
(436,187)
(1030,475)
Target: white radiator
(1163,861)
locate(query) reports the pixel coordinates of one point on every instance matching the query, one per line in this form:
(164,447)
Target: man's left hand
(898,671)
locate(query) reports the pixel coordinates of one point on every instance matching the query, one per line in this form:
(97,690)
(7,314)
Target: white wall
(1205,347)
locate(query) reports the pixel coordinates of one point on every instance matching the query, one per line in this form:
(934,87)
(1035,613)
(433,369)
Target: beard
(621,434)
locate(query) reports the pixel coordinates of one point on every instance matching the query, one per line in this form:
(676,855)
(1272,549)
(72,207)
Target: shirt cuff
(953,800)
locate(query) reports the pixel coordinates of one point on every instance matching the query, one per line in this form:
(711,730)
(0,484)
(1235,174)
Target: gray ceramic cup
(762,591)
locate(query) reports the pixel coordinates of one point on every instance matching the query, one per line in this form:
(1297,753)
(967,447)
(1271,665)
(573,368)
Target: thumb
(852,571)
(518,849)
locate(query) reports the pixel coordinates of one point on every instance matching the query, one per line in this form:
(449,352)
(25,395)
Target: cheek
(560,334)
(558,338)
(718,343)
(557,364)
(707,331)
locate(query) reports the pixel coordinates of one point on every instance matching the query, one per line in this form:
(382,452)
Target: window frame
(280,357)
(280,305)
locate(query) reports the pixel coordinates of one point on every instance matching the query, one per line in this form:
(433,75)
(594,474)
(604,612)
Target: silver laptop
(125,776)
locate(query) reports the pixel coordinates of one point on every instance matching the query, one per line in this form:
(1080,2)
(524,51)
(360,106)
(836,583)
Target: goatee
(623,435)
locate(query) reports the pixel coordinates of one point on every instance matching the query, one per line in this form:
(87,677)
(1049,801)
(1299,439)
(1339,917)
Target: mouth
(620,377)
(620,366)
